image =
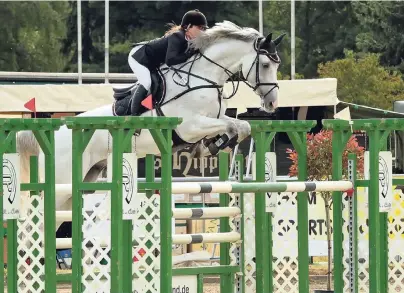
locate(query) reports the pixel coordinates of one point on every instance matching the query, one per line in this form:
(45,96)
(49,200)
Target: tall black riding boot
(139,96)
(137,99)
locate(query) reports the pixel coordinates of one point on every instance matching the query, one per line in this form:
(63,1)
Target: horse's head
(228,47)
(260,70)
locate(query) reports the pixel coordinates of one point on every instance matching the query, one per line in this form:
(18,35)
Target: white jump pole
(206,238)
(66,243)
(230,187)
(206,213)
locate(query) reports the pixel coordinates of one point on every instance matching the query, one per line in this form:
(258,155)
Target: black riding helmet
(194,17)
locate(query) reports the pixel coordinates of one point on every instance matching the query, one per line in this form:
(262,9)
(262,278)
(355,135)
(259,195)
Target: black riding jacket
(170,50)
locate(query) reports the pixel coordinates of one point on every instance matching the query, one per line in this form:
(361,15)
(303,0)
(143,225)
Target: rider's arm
(176,50)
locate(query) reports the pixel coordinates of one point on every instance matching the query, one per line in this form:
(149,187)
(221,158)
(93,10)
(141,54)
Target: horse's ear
(268,38)
(278,40)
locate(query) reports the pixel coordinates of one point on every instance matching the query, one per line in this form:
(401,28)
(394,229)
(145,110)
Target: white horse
(225,50)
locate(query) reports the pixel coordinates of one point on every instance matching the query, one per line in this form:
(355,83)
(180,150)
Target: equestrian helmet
(194,17)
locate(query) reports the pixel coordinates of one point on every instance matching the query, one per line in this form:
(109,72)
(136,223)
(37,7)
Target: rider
(170,49)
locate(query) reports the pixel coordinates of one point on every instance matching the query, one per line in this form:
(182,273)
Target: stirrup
(137,132)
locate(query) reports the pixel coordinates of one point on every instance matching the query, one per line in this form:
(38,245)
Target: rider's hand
(191,52)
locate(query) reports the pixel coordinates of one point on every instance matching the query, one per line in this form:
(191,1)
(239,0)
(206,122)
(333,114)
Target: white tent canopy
(80,98)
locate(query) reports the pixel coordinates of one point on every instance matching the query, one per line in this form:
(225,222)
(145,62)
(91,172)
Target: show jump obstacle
(245,263)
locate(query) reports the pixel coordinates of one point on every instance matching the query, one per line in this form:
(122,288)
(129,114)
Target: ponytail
(173,28)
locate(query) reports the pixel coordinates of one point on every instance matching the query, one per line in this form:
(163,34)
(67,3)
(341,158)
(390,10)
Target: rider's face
(195,30)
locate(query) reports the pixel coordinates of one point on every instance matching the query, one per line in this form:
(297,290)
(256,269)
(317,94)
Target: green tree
(136,21)
(382,30)
(93,30)
(362,80)
(31,35)
(324,29)
(277,20)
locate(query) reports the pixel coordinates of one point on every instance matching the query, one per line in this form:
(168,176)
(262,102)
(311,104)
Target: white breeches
(141,72)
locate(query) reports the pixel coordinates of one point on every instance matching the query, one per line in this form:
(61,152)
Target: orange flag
(30,105)
(148,102)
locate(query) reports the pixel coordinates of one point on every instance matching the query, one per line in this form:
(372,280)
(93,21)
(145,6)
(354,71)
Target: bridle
(177,71)
(272,56)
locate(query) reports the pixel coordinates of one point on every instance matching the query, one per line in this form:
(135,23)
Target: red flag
(30,105)
(148,102)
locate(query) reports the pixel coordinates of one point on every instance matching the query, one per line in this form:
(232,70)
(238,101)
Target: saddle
(124,96)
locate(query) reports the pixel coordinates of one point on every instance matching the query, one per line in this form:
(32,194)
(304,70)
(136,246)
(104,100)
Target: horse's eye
(265,65)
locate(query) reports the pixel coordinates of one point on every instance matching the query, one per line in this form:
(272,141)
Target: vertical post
(116,212)
(384,252)
(374,217)
(303,217)
(79,43)
(127,234)
(260,15)
(353,227)
(337,149)
(166,214)
(199,288)
(50,214)
(263,223)
(384,242)
(225,281)
(150,177)
(241,282)
(12,242)
(292,40)
(34,178)
(77,202)
(106,41)
(2,272)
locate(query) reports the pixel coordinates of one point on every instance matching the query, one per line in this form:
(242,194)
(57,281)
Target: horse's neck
(228,54)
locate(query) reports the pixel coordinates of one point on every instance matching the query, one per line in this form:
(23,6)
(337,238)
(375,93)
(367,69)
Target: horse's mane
(223,30)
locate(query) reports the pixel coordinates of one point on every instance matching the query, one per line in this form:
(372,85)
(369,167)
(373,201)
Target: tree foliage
(319,158)
(382,30)
(324,29)
(42,36)
(137,21)
(362,80)
(31,36)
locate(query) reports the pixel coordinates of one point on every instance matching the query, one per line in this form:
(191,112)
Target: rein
(189,89)
(176,71)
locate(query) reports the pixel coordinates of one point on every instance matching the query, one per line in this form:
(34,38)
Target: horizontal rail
(228,187)
(64,216)
(188,179)
(182,214)
(64,278)
(65,243)
(206,213)
(63,189)
(213,270)
(206,238)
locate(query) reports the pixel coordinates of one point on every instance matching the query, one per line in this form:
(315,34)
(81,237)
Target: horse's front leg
(243,128)
(216,133)
(243,131)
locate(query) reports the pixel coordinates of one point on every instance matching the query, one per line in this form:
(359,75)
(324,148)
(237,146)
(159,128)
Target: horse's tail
(27,145)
